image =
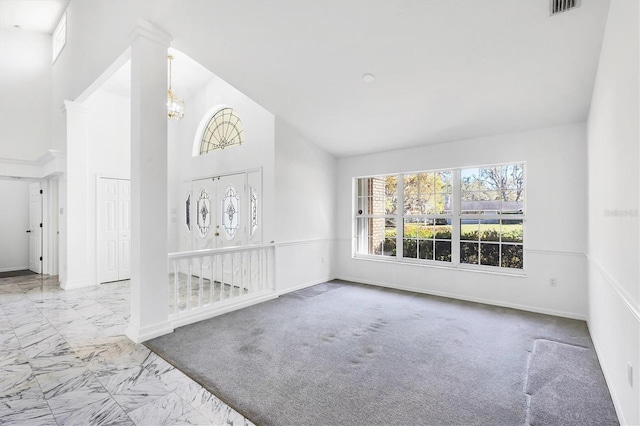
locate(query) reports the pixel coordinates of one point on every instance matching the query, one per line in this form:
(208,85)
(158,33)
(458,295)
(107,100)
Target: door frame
(247,172)
(51,225)
(40,251)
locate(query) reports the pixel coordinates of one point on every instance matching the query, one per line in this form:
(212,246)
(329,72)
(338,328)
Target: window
(223,129)
(229,218)
(427,215)
(491,216)
(460,217)
(59,36)
(377,202)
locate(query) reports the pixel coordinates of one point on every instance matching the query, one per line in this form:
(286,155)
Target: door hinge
(40,225)
(41,191)
(40,258)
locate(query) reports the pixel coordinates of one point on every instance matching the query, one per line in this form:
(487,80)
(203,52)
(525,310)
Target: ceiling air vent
(559,6)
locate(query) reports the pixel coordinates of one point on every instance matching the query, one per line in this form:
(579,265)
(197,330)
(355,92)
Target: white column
(149,278)
(73,219)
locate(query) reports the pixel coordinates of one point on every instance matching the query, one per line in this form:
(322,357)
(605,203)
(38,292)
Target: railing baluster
(211,282)
(241,292)
(200,284)
(176,283)
(189,285)
(262,274)
(221,273)
(250,272)
(259,271)
(232,274)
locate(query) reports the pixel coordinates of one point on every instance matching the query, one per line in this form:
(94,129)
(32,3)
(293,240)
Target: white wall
(305,199)
(14,221)
(97,34)
(26,87)
(108,155)
(614,188)
(555,228)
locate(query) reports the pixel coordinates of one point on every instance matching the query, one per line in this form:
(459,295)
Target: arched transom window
(223,129)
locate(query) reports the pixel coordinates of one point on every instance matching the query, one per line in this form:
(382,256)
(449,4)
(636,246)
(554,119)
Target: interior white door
(114,229)
(35,228)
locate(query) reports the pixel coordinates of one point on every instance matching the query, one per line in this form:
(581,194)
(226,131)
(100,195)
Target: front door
(35,228)
(219,218)
(219,207)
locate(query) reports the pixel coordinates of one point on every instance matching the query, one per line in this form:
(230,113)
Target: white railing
(203,283)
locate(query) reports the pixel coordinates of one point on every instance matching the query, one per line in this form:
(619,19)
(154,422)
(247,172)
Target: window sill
(519,273)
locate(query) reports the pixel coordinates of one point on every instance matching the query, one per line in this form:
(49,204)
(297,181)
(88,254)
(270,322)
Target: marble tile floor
(64,360)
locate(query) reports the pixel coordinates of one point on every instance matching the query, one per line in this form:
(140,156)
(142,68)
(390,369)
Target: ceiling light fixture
(175,105)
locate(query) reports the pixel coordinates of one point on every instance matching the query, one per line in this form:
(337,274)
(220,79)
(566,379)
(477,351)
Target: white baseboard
(139,335)
(492,302)
(14,268)
(305,285)
(72,285)
(605,372)
(224,307)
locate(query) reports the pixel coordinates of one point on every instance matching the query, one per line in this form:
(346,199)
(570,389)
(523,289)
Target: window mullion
(400,217)
(455,225)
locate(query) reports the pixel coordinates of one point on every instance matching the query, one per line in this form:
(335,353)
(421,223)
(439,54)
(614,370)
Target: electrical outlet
(322,260)
(553,282)
(630,374)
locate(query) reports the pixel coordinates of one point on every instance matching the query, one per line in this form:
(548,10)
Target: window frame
(59,37)
(455,217)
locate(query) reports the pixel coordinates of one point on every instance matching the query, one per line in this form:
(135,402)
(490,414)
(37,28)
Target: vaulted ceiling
(445,70)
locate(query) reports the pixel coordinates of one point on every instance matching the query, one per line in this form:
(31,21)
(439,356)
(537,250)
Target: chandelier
(175,105)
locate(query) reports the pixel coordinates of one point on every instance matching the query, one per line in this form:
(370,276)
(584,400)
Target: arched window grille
(223,129)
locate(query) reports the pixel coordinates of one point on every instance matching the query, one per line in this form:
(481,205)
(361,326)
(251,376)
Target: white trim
(14,268)
(48,156)
(139,335)
(227,306)
(72,285)
(306,285)
(554,252)
(463,267)
(607,375)
(309,241)
(48,164)
(624,296)
(151,32)
(59,37)
(492,302)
